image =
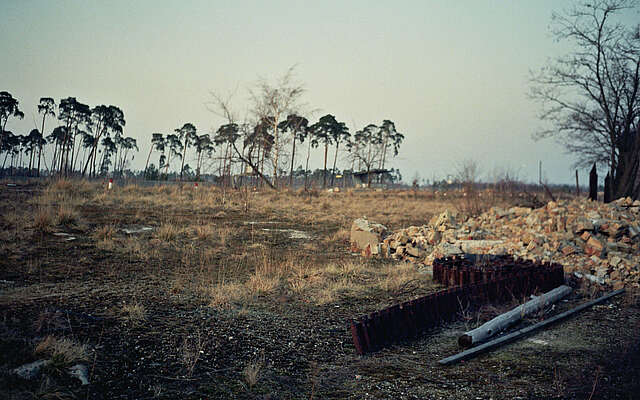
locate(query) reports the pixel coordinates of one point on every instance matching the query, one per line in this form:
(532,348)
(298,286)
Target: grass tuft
(66,216)
(134,313)
(43,220)
(62,351)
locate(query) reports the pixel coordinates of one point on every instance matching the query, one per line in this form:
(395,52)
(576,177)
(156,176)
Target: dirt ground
(241,294)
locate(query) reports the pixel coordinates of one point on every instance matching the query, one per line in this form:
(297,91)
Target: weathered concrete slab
(366,236)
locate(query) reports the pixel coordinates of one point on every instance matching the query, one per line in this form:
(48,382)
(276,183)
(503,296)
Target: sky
(452,76)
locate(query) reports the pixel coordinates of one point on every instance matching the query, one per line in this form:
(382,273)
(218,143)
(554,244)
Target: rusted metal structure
(472,281)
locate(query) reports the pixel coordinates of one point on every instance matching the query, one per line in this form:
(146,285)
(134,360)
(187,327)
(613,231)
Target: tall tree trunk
(384,157)
(184,155)
(335,159)
(253,166)
(324,176)
(306,167)
(198,166)
(146,166)
(73,150)
(369,161)
(55,155)
(276,143)
(257,162)
(166,168)
(84,170)
(264,151)
(40,142)
(293,155)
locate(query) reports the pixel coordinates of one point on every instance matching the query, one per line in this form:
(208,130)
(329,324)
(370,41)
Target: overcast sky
(453,76)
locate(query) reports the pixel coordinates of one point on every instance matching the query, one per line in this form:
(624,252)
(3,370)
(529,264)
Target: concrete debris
(292,233)
(68,236)
(136,229)
(32,370)
(81,372)
(366,236)
(599,241)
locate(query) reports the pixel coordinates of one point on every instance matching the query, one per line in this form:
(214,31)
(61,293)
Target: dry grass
(66,215)
(399,279)
(137,249)
(318,283)
(205,232)
(105,232)
(224,294)
(258,270)
(43,220)
(168,232)
(63,351)
(134,313)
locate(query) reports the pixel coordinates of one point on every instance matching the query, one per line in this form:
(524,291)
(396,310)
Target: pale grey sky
(453,76)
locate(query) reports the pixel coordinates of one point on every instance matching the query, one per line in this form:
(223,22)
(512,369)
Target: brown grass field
(240,294)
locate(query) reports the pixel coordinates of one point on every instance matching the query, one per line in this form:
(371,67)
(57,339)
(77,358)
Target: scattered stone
(615,261)
(594,247)
(136,229)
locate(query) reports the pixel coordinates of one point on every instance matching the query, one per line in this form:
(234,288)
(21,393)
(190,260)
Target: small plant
(192,349)
(251,371)
(156,389)
(105,232)
(558,381)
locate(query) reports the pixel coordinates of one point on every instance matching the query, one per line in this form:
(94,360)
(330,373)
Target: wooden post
(593,183)
(607,189)
(540,172)
(503,321)
(522,332)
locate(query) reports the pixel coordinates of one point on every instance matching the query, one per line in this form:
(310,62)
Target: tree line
(80,134)
(90,142)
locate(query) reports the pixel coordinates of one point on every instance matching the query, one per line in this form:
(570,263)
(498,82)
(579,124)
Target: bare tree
(468,171)
(274,101)
(590,97)
(229,133)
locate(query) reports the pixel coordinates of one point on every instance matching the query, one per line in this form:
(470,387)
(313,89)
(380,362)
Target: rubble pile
(599,241)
